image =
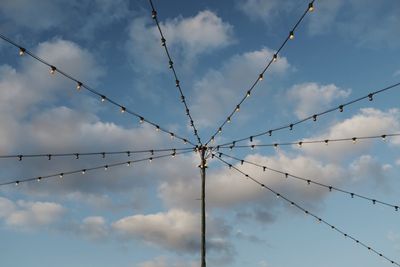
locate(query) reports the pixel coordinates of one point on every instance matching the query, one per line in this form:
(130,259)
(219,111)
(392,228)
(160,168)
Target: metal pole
(203,205)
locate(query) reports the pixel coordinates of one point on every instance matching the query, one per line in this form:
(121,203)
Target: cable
(84,171)
(309,181)
(303,142)
(260,77)
(315,116)
(319,219)
(49,156)
(174,72)
(80,85)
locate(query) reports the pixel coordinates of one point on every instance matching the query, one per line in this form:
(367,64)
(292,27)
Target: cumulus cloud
(27,215)
(310,98)
(165,262)
(368,168)
(175,230)
(186,38)
(226,188)
(367,122)
(94,227)
(266,11)
(218,90)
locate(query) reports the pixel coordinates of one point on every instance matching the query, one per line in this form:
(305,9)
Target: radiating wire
(353,139)
(260,77)
(77,155)
(80,85)
(174,72)
(319,219)
(85,170)
(314,117)
(309,181)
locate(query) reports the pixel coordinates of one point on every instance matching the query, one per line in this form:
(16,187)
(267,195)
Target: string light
(103,98)
(309,181)
(237,108)
(141,119)
(260,76)
(174,72)
(293,204)
(314,116)
(323,141)
(102,154)
(123,109)
(78,86)
(311,7)
(21,51)
(84,171)
(53,69)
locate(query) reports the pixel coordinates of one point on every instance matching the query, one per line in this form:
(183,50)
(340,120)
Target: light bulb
(16,182)
(141,119)
(354,140)
(61,175)
(21,51)
(103,98)
(383,137)
(150,159)
(157,128)
(229,119)
(78,86)
(105,167)
(311,7)
(219,130)
(300,144)
(154,14)
(39,179)
(326,141)
(172,135)
(314,117)
(83,171)
(53,70)
(261,77)
(123,109)
(275,58)
(248,93)
(185,141)
(128,163)
(291,35)
(237,108)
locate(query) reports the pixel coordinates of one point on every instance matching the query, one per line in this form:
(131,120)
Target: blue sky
(147,215)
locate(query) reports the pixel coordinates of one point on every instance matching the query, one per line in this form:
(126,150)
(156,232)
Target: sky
(148,214)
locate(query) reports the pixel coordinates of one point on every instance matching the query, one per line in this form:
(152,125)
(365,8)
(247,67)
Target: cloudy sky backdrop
(147,215)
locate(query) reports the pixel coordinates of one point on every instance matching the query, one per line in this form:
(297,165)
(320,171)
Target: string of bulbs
(314,117)
(307,212)
(309,181)
(260,77)
(128,153)
(300,144)
(84,171)
(81,85)
(174,72)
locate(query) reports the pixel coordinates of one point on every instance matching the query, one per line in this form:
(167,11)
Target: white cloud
(220,89)
(26,215)
(227,188)
(186,39)
(268,11)
(175,230)
(367,122)
(165,262)
(310,98)
(94,227)
(367,168)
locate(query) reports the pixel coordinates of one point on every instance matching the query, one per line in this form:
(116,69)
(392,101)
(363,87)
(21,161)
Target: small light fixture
(311,7)
(291,35)
(78,86)
(52,69)
(21,51)
(237,108)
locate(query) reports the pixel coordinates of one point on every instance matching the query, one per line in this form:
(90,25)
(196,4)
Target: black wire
(300,143)
(309,181)
(248,93)
(319,219)
(315,116)
(62,174)
(171,66)
(93,91)
(103,154)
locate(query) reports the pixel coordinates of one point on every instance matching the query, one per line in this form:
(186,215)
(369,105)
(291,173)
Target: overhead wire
(171,65)
(309,182)
(307,212)
(315,116)
(260,77)
(85,170)
(300,143)
(77,155)
(80,85)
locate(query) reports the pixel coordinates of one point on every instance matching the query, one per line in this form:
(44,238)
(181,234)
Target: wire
(84,171)
(315,116)
(309,181)
(319,219)
(80,85)
(260,77)
(174,72)
(49,156)
(303,142)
